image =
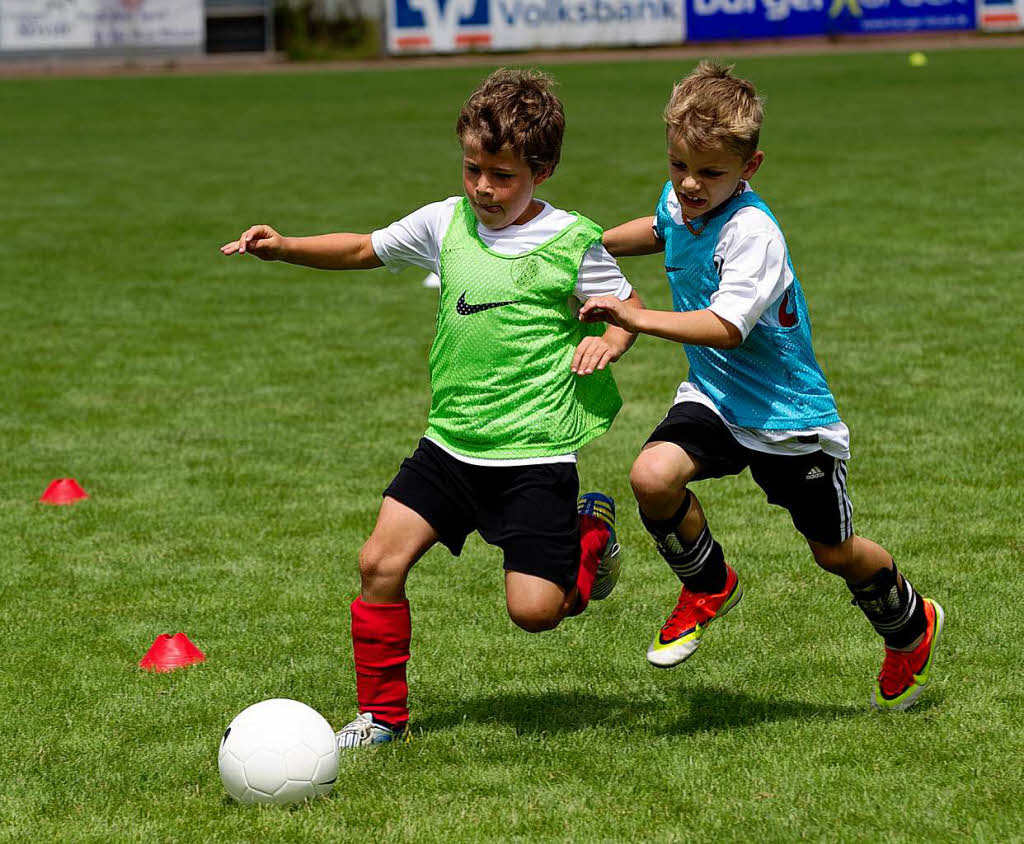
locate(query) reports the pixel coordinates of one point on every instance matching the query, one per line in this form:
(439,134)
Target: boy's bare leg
(673,516)
(400,537)
(381,624)
(659,478)
(909,624)
(536,604)
(860,561)
(855,560)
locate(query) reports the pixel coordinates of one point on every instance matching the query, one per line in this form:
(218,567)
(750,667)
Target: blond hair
(712,108)
(516,109)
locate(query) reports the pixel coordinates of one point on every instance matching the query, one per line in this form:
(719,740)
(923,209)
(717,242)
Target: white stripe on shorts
(842,499)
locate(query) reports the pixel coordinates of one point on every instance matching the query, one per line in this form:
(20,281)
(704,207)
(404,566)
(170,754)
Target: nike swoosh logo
(463,308)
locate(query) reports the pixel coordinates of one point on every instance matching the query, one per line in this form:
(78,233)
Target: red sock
(593,538)
(380,642)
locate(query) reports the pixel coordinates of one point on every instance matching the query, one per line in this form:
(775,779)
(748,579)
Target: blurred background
(339,29)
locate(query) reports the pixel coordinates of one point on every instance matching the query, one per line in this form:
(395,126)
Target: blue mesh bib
(772,380)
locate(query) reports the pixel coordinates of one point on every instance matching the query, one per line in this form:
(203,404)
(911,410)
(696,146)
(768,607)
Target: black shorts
(812,487)
(527,511)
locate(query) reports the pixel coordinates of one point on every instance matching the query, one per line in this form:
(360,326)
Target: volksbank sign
(710,20)
(588,11)
(440,26)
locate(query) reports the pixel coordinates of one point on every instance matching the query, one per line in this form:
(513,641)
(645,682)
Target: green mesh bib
(506,334)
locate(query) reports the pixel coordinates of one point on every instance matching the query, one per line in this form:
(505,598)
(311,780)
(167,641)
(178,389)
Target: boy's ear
(752,166)
(542,176)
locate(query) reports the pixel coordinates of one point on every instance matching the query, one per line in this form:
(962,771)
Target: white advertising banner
(100,24)
(446,26)
(1000,15)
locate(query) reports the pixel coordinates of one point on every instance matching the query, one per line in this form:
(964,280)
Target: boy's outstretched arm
(636,237)
(339,251)
(595,353)
(696,328)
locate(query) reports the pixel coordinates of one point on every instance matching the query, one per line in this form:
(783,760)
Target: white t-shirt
(755,275)
(415,241)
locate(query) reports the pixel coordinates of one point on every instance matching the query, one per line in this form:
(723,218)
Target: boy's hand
(595,353)
(611,310)
(262,241)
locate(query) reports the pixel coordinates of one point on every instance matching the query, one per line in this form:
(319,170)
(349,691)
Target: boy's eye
(713,174)
(677,165)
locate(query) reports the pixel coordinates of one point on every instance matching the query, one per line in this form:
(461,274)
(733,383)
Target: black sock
(700,564)
(895,610)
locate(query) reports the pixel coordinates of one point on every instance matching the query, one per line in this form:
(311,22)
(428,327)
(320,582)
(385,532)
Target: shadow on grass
(698,710)
(707,709)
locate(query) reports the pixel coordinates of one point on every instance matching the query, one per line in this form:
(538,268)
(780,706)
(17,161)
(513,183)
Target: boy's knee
(533,619)
(534,613)
(534,604)
(652,480)
(377,567)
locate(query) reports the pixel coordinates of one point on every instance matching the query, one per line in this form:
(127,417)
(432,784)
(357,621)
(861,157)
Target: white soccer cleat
(364,732)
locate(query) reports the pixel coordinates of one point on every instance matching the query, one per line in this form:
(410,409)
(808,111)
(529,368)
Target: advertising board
(715,20)
(53,25)
(1000,15)
(444,26)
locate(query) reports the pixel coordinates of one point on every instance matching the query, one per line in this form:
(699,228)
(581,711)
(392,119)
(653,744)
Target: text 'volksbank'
(587,11)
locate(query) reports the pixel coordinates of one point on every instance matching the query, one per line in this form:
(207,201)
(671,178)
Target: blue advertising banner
(715,20)
(867,16)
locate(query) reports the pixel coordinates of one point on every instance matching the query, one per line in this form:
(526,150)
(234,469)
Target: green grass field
(234,423)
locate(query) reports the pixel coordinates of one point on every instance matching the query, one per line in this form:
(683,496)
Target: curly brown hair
(711,107)
(516,109)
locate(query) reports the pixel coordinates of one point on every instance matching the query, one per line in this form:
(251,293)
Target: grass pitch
(235,421)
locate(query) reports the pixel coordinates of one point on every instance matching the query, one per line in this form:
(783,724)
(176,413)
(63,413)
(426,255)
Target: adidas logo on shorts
(815,474)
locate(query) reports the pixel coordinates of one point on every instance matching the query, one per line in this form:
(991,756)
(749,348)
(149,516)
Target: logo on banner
(442,24)
(904,14)
(838,5)
(772,10)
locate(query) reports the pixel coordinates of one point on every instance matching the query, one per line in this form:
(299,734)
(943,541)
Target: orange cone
(63,491)
(169,652)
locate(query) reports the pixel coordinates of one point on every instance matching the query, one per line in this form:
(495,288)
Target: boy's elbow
(730,337)
(367,257)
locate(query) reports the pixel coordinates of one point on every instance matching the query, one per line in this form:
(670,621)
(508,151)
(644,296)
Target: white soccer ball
(278,751)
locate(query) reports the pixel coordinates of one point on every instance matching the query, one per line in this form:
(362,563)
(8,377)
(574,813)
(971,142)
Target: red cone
(63,491)
(169,652)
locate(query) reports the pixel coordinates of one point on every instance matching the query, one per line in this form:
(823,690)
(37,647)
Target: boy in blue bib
(755,395)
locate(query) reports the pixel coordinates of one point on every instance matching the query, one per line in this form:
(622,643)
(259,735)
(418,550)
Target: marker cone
(63,491)
(169,652)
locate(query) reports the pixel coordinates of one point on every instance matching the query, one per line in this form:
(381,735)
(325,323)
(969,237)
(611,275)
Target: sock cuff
(663,527)
(368,607)
(387,624)
(895,609)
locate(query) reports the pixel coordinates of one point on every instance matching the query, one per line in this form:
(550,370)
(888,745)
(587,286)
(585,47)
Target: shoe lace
(359,729)
(684,613)
(897,670)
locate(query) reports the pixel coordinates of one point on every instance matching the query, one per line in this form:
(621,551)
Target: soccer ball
(278,751)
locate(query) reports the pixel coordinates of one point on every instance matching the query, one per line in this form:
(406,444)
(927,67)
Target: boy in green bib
(518,385)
